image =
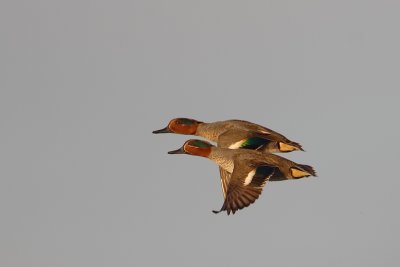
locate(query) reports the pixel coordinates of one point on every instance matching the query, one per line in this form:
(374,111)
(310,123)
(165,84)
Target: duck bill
(164,130)
(178,151)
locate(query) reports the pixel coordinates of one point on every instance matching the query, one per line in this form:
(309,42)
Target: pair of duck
(243,154)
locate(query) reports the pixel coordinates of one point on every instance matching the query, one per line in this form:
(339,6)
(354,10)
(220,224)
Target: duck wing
(237,138)
(272,141)
(245,186)
(231,139)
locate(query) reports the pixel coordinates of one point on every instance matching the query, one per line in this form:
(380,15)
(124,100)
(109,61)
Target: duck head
(180,126)
(194,147)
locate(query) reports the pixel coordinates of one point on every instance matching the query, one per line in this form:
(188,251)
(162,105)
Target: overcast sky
(84,182)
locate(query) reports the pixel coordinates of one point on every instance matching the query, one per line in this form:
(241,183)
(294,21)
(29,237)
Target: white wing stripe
(249,177)
(237,144)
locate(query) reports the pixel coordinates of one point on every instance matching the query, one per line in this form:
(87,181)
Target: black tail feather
(297,145)
(289,146)
(308,169)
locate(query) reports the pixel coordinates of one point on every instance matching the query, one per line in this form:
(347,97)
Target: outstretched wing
(245,186)
(241,139)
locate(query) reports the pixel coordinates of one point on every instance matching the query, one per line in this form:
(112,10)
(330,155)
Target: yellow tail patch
(296,173)
(286,148)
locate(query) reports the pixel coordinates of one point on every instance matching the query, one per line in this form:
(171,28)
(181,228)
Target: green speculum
(254,143)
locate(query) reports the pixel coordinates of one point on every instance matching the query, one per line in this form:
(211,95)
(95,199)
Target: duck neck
(210,131)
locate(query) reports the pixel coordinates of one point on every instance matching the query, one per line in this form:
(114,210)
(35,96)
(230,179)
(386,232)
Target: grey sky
(84,182)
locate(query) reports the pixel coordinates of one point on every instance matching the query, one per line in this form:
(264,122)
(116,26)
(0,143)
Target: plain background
(84,182)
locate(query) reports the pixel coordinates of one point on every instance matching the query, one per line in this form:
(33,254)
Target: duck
(233,134)
(249,169)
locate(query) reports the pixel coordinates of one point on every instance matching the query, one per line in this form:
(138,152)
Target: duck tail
(308,169)
(299,171)
(289,146)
